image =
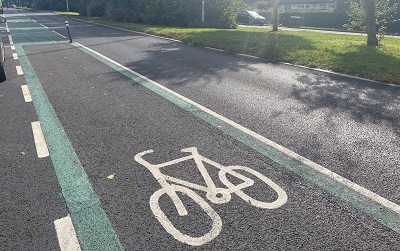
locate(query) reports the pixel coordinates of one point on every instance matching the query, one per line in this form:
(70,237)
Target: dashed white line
(26,93)
(66,234)
(13,47)
(15,55)
(10,39)
(19,70)
(40,142)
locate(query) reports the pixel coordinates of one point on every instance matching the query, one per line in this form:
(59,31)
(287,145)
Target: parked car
(249,17)
(2,57)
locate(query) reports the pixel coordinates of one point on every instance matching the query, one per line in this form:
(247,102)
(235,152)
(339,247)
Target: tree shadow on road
(179,64)
(364,101)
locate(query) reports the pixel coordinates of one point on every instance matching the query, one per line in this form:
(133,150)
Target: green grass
(65,13)
(343,53)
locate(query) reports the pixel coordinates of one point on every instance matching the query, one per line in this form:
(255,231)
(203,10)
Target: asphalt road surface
(125,141)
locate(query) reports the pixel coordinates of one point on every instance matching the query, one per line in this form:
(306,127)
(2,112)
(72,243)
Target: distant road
(316,30)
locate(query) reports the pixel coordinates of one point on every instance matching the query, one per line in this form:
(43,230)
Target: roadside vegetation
(341,53)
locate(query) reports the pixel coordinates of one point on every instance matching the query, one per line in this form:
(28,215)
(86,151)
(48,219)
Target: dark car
(249,17)
(2,72)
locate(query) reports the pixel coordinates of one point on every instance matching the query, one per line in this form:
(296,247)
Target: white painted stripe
(26,93)
(43,25)
(13,47)
(59,34)
(40,142)
(355,187)
(245,55)
(10,39)
(7,29)
(15,55)
(66,234)
(214,49)
(19,70)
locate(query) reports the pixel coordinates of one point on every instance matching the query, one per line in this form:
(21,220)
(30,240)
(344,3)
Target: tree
(372,40)
(275,4)
(371,16)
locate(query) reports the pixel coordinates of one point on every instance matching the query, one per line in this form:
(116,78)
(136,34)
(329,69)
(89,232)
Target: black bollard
(69,31)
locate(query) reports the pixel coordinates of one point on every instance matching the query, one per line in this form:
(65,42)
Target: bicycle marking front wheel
(282,196)
(169,227)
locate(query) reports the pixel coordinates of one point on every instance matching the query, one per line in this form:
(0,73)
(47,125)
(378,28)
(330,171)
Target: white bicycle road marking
(217,195)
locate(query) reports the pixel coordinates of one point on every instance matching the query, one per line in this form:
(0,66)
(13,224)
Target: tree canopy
(186,13)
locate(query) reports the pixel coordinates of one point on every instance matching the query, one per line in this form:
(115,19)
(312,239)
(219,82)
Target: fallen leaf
(23,153)
(111,176)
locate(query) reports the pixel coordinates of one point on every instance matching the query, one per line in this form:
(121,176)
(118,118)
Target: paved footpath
(98,154)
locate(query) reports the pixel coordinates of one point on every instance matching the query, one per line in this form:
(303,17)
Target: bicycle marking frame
(214,194)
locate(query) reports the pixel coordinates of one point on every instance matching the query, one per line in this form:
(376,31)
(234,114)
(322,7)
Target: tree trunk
(371,25)
(275,15)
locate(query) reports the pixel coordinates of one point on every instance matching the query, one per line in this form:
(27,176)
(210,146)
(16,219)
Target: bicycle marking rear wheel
(282,196)
(172,230)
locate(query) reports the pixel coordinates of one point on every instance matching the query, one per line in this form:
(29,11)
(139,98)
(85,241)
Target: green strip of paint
(364,204)
(92,226)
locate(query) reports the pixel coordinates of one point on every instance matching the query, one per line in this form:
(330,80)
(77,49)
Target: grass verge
(343,53)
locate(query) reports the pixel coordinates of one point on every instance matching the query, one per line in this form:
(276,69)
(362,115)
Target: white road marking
(40,142)
(214,194)
(7,29)
(26,93)
(19,70)
(10,39)
(13,47)
(66,234)
(214,49)
(355,187)
(59,34)
(15,55)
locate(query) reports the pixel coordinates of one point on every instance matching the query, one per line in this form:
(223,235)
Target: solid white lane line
(26,93)
(66,234)
(15,55)
(19,70)
(40,142)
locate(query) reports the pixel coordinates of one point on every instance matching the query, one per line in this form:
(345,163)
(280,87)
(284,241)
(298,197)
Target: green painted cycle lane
(91,224)
(26,31)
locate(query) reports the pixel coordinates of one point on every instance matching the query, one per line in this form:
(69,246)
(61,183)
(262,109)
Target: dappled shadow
(361,122)
(364,101)
(179,64)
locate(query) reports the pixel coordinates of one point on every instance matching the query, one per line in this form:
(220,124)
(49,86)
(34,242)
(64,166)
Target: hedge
(185,13)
